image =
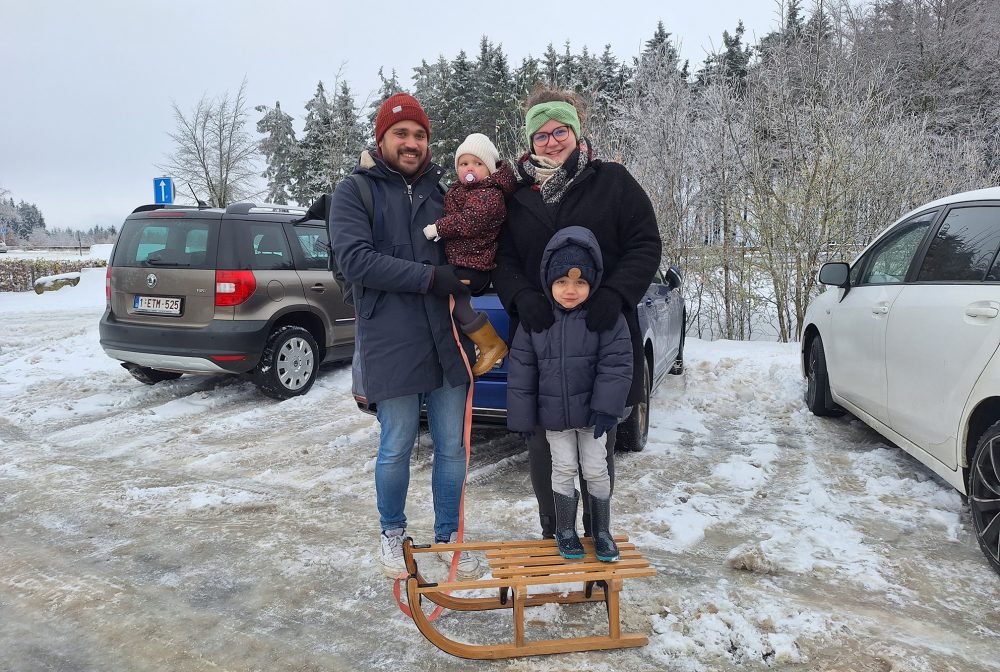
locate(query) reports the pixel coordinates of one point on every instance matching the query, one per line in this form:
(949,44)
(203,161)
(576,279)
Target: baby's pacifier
(470,177)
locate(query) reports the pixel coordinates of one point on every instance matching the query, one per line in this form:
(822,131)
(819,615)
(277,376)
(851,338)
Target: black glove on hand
(603,309)
(602,422)
(444,282)
(534,310)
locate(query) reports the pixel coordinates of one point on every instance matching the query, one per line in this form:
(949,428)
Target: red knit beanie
(400,107)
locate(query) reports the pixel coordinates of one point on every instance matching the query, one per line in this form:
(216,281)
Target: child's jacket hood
(576,235)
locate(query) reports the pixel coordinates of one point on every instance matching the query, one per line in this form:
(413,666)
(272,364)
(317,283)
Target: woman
(561,184)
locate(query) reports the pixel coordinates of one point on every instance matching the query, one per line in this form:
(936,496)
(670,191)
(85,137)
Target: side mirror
(835,273)
(673,277)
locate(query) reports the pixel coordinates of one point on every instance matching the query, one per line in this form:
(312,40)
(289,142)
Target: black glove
(602,423)
(534,310)
(444,282)
(603,309)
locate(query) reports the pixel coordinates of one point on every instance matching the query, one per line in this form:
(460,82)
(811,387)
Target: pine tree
(387,88)
(347,135)
(735,58)
(279,148)
(459,92)
(314,162)
(430,83)
(566,70)
(550,66)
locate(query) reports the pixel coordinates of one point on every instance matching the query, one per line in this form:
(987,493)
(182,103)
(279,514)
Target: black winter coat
(556,378)
(606,199)
(404,336)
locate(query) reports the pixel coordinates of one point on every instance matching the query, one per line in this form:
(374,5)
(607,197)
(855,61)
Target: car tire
(819,400)
(678,365)
(634,430)
(984,494)
(149,376)
(287,368)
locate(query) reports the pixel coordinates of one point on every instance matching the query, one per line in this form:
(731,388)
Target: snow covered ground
(197,525)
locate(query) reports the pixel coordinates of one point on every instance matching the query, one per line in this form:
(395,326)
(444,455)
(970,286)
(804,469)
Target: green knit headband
(558,110)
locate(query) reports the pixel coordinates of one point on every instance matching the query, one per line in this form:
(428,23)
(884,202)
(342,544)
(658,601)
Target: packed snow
(196,525)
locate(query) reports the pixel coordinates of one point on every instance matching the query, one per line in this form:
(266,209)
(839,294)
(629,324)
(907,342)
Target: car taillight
(107,284)
(233,287)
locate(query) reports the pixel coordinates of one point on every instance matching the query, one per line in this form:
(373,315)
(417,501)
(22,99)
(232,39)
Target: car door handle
(880,310)
(988,309)
(318,287)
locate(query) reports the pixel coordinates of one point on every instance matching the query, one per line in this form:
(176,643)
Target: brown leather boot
(491,348)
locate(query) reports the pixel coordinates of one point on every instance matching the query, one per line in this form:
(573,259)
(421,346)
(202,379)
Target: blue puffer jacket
(557,377)
(404,338)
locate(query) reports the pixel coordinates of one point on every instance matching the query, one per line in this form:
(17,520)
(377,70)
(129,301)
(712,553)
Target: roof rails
(247,208)
(165,206)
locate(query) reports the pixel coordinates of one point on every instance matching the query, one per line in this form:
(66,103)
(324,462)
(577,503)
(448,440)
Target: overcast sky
(87,86)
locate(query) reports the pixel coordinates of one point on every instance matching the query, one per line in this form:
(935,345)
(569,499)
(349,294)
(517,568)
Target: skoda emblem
(151,280)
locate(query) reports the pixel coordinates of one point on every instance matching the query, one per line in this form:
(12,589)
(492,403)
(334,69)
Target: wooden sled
(515,565)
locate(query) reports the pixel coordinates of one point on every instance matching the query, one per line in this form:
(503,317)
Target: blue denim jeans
(400,420)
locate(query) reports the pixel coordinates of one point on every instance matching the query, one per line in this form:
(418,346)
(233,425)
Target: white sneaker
(468,564)
(391,552)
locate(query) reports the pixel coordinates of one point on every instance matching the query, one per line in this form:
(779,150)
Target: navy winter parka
(404,336)
(557,377)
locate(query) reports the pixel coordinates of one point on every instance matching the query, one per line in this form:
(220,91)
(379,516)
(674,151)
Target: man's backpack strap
(364,189)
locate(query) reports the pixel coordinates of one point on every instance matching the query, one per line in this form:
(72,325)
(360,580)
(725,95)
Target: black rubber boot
(600,517)
(569,544)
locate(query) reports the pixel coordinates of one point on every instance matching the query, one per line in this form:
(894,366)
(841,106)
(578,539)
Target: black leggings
(540,468)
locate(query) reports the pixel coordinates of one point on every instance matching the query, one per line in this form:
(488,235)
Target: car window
(965,247)
(890,259)
(179,243)
(269,248)
(315,244)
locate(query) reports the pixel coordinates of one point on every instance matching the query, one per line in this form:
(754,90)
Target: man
(407,350)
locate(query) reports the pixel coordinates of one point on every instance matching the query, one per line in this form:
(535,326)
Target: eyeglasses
(560,133)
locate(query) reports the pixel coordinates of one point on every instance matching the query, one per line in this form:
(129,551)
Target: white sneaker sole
(391,572)
(445,558)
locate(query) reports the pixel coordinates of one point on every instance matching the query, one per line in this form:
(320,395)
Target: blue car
(662,319)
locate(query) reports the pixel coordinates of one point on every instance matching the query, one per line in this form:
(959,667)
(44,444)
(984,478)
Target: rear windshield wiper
(151,261)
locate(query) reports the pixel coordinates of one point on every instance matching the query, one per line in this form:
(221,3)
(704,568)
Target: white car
(907,338)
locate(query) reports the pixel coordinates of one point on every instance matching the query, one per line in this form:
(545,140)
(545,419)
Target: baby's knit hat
(481,147)
(567,258)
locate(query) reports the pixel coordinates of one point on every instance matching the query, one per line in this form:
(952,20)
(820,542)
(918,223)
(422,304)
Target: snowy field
(196,525)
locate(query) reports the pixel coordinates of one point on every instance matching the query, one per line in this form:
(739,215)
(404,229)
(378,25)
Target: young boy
(573,382)
(473,213)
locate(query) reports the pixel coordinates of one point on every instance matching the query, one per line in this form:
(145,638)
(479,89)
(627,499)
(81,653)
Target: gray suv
(242,290)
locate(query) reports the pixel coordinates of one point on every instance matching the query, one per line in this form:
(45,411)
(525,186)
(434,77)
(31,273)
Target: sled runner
(516,565)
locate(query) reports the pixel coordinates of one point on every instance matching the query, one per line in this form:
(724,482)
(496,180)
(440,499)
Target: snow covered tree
(279,148)
(314,161)
(10,220)
(386,88)
(550,66)
(347,135)
(214,156)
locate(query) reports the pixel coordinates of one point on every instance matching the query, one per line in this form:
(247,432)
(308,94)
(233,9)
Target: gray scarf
(554,179)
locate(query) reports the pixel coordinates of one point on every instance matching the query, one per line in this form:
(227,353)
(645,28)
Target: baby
(474,210)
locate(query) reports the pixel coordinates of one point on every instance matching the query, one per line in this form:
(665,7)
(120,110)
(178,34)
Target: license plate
(157,304)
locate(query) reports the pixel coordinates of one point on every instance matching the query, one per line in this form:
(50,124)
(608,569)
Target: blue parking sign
(163,190)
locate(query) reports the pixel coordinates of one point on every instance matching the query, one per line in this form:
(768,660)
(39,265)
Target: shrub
(19,275)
